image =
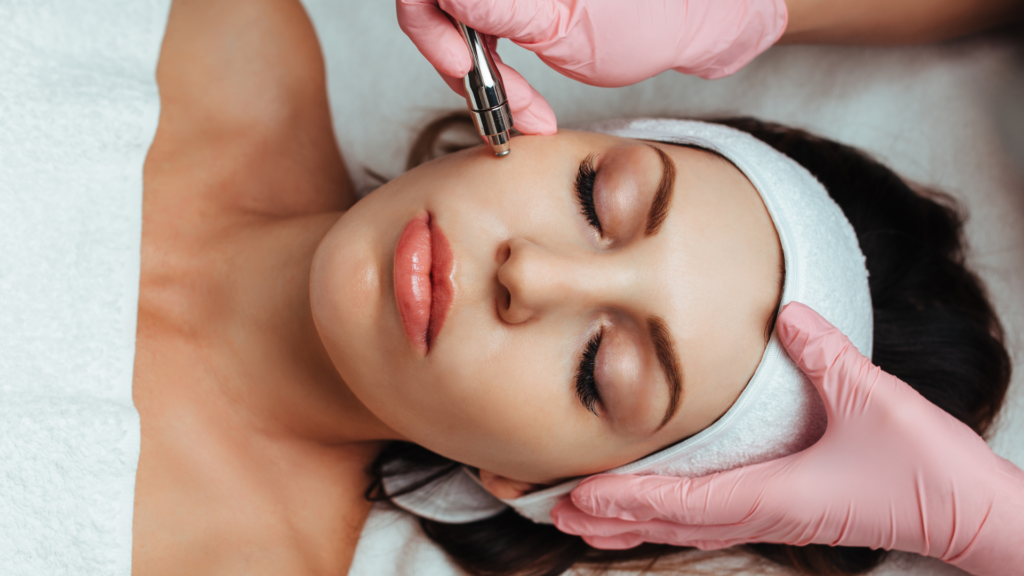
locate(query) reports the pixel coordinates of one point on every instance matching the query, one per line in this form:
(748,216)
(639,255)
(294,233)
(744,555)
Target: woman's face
(559,337)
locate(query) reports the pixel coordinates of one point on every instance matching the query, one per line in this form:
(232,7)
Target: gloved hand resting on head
(599,42)
(892,471)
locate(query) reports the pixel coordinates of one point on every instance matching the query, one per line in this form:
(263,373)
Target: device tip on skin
(500,144)
(485,94)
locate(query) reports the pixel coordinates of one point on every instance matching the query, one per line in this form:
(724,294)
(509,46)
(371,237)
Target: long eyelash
(585,192)
(586,386)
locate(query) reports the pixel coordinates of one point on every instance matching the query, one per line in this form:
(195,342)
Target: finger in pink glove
(599,42)
(892,471)
(443,46)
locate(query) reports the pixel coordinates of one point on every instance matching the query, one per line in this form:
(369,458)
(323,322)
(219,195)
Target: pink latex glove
(599,42)
(892,471)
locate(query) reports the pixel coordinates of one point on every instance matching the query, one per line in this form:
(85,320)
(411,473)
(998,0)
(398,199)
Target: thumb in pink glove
(892,471)
(443,46)
(599,42)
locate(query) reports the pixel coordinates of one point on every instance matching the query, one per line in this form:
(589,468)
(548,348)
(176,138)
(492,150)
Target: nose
(537,281)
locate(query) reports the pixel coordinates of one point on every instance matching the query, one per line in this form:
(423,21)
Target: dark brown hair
(933,327)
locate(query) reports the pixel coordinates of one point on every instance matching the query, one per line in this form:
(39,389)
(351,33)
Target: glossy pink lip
(423,284)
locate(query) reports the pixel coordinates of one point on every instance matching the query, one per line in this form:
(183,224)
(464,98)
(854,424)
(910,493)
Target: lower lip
(423,284)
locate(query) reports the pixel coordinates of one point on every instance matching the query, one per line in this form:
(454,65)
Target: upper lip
(423,284)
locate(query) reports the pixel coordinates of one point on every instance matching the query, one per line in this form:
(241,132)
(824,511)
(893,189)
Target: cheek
(504,404)
(347,296)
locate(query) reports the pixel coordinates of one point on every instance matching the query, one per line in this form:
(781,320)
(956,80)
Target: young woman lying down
(594,301)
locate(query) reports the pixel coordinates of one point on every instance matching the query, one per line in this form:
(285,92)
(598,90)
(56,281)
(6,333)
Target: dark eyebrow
(663,197)
(665,352)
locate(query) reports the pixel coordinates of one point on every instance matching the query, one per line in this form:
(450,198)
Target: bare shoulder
(245,126)
(244,144)
(244,152)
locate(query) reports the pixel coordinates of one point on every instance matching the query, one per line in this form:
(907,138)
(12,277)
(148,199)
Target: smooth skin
(884,23)
(534,283)
(271,363)
(252,458)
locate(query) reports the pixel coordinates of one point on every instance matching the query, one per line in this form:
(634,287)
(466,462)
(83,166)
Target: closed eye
(586,384)
(585,192)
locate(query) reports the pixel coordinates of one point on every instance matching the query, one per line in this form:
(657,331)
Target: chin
(347,293)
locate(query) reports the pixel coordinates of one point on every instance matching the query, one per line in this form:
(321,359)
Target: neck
(292,387)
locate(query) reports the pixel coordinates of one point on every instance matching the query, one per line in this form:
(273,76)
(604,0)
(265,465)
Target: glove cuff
(730,36)
(998,547)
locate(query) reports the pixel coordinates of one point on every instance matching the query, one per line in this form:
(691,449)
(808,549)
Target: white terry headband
(779,412)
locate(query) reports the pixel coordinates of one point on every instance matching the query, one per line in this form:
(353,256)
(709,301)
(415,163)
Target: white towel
(78,110)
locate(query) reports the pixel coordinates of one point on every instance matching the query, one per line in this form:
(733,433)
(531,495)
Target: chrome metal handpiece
(485,94)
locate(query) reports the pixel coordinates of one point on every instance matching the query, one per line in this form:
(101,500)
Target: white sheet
(947,116)
(78,110)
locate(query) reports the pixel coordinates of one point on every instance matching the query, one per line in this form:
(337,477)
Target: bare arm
(889,22)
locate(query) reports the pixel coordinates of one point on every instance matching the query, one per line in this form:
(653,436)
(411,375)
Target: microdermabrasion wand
(485,94)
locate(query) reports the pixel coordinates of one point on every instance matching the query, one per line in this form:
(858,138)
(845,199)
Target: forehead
(716,281)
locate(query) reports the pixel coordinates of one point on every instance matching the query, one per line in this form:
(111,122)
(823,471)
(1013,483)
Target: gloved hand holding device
(892,471)
(599,42)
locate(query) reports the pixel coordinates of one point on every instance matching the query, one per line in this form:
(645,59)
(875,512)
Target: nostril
(517,294)
(504,253)
(503,303)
